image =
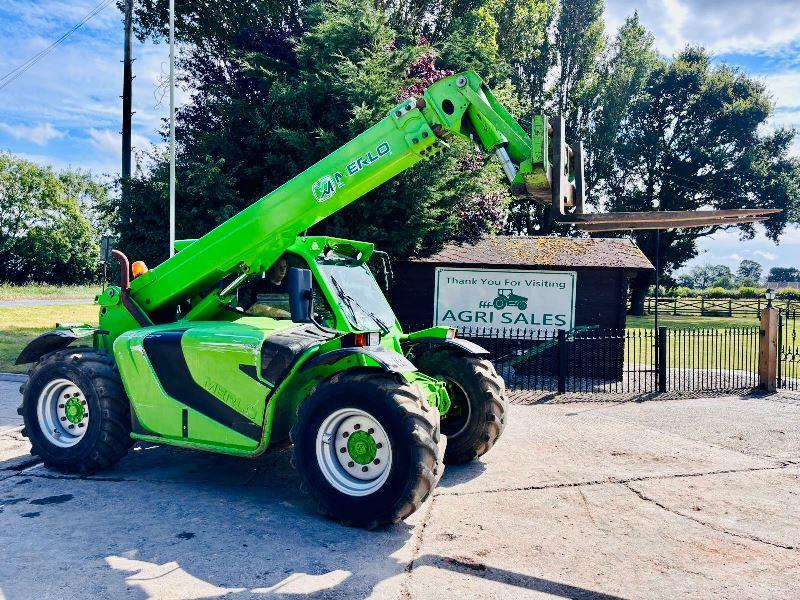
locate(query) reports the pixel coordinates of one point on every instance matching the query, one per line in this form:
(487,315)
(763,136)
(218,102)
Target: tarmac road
(692,498)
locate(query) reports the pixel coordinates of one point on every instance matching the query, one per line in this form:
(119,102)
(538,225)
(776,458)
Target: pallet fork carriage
(373,412)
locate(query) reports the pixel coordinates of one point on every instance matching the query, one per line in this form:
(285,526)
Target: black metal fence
(788,352)
(625,361)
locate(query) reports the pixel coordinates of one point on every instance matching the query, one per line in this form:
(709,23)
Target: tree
(46,230)
(275,94)
(750,270)
(691,139)
(705,276)
(623,75)
(783,274)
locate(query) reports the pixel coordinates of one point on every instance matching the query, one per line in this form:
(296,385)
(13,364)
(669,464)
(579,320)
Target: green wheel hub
(361,447)
(74,410)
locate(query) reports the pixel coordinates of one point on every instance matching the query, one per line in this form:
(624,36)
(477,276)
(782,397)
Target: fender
(389,361)
(459,345)
(50,341)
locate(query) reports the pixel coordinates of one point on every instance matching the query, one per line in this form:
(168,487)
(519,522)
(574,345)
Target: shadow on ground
(170,523)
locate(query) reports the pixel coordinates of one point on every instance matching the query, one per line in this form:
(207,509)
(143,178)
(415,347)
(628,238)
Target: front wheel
(478,403)
(76,414)
(367,448)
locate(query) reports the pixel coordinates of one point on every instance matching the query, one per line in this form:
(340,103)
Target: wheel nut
(60,406)
(351,464)
(345,434)
(80,424)
(63,418)
(377,461)
(66,396)
(364,469)
(343,450)
(71,427)
(370,431)
(356,426)
(379,445)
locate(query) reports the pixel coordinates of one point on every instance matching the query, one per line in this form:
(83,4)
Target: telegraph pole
(127,91)
(171,127)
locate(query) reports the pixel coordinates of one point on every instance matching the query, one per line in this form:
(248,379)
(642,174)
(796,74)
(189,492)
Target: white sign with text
(494,299)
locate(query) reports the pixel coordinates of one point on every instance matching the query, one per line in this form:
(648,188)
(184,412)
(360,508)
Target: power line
(18,71)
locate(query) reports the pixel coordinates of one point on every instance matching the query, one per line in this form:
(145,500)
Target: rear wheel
(367,448)
(477,414)
(76,414)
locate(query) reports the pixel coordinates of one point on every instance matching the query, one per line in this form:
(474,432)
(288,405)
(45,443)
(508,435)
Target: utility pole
(127,91)
(171,127)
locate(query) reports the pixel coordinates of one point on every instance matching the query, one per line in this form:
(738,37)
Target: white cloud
(770,256)
(727,247)
(721,25)
(37,134)
(785,87)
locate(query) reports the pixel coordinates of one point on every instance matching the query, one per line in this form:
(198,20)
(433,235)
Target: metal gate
(788,351)
(622,361)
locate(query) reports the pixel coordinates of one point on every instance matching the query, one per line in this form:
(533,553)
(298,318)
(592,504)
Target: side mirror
(301,297)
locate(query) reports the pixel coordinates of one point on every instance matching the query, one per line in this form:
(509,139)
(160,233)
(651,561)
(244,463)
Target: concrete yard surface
(692,498)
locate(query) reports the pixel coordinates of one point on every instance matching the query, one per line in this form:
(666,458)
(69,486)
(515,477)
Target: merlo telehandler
(372,412)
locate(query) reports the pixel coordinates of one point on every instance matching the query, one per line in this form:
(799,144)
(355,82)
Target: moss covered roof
(614,253)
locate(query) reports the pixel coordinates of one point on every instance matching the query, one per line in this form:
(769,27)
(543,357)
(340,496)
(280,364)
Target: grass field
(37,291)
(690,322)
(20,325)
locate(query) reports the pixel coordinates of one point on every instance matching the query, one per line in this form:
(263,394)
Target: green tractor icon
(509,298)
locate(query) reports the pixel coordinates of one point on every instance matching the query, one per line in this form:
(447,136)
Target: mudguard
(50,341)
(387,360)
(459,345)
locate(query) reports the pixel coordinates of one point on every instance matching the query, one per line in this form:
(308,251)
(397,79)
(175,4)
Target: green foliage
(681,291)
(267,107)
(783,274)
(705,276)
(716,292)
(46,229)
(788,294)
(749,269)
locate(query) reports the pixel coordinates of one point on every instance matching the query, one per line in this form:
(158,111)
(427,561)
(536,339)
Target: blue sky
(65,111)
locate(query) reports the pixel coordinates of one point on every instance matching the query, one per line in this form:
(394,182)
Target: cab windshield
(358,293)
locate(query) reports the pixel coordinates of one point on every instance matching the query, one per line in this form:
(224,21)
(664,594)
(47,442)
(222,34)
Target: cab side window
(267,295)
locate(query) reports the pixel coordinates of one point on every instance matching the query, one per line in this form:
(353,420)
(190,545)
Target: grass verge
(19,325)
(39,291)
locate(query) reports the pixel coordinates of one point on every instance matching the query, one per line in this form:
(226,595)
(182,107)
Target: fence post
(730,307)
(702,306)
(562,361)
(768,350)
(661,359)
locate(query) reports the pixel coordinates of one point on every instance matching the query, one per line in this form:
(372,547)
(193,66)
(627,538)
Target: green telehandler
(373,413)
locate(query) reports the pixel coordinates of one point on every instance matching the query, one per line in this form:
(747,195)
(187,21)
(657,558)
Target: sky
(65,110)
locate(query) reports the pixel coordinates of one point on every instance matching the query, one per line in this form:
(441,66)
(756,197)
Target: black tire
(412,427)
(477,415)
(499,303)
(107,436)
(522,305)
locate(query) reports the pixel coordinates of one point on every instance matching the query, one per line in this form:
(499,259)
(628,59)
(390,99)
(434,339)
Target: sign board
(510,299)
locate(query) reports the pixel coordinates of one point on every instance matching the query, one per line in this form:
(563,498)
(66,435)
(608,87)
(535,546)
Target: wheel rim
(455,421)
(353,452)
(62,412)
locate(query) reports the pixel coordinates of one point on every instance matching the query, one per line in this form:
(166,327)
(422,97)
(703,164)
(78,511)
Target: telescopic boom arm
(541,165)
